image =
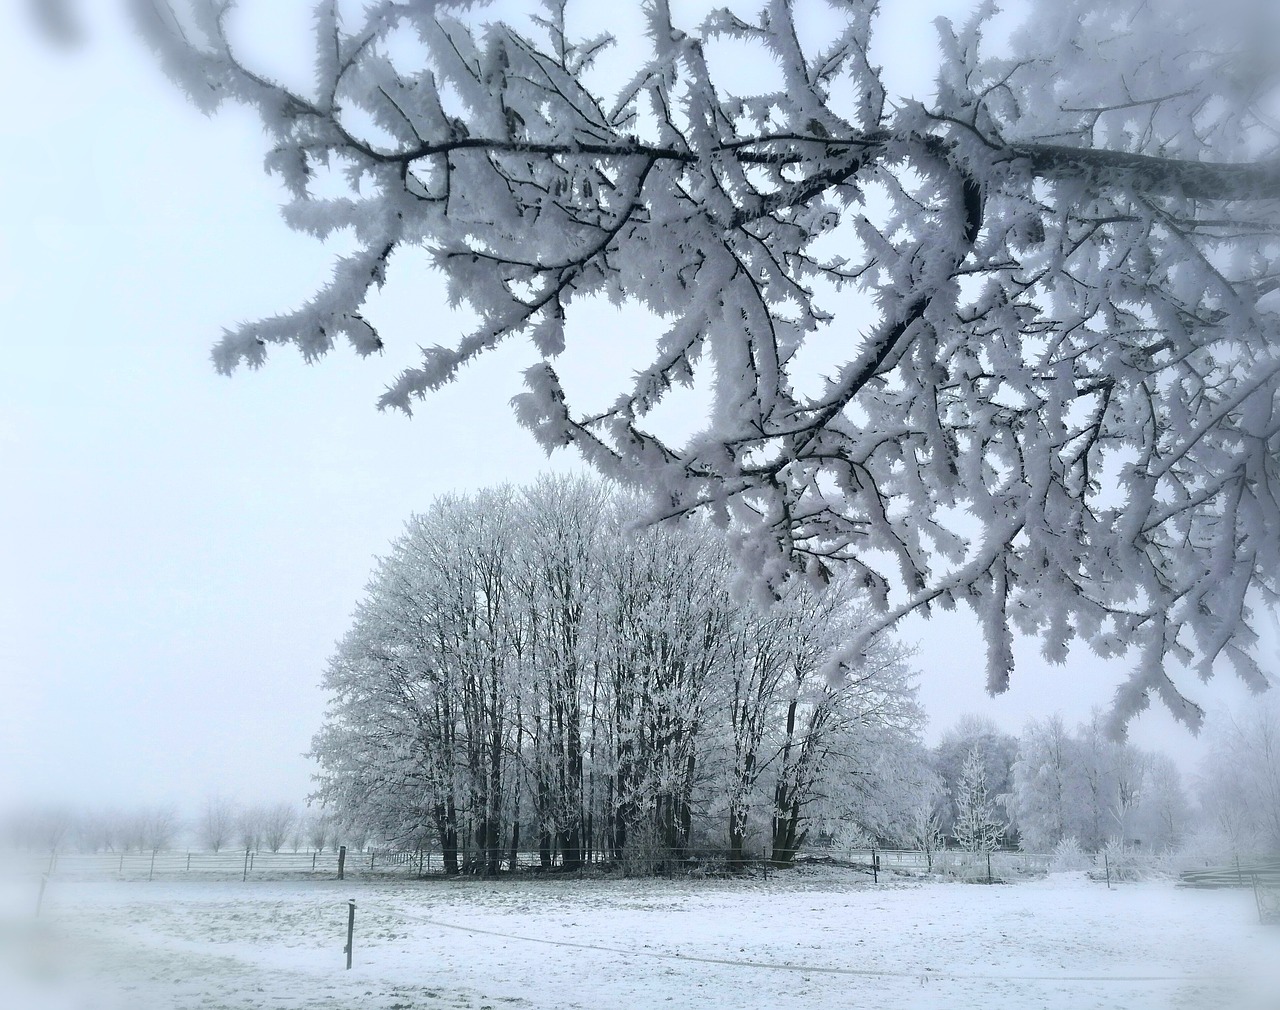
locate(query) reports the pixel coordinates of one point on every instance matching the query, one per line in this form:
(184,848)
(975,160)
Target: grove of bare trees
(1095,791)
(528,672)
(1239,785)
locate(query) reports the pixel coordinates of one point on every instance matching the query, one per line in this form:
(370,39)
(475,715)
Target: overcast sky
(179,551)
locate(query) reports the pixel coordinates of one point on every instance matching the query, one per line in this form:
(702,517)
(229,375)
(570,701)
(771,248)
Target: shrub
(1067,856)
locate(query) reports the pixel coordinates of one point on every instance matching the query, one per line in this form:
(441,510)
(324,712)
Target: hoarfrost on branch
(1062,411)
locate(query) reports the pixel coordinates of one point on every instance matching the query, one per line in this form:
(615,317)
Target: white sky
(179,551)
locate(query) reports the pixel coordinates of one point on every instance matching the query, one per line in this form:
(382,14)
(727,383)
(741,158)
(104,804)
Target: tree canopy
(1015,348)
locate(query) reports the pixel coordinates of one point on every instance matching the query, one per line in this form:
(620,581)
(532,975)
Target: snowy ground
(821,938)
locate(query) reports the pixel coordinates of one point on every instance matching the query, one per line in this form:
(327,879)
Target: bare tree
(277,822)
(95,831)
(161,825)
(42,828)
(1166,814)
(1240,779)
(838,729)
(319,829)
(134,830)
(249,826)
(1048,792)
(217,823)
(1129,778)
(925,822)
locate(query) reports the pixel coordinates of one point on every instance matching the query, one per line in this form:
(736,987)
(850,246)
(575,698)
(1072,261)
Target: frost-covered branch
(1060,409)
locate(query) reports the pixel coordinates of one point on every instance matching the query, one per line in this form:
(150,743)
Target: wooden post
(988,866)
(875,867)
(44,880)
(1107,863)
(188,861)
(313,862)
(151,873)
(121,870)
(342,861)
(245,876)
(351,929)
(371,854)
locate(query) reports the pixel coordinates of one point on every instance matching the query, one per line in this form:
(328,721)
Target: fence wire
(787,966)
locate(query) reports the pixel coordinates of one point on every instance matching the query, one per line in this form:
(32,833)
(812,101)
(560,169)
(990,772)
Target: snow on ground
(1061,942)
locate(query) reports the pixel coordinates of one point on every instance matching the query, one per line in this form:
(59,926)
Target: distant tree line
(270,827)
(219,824)
(51,828)
(1053,785)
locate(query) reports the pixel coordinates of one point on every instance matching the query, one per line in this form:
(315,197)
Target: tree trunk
(787,837)
(570,842)
(685,812)
(447,829)
(737,838)
(783,803)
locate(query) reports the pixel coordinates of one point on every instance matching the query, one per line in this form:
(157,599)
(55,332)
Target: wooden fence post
(342,861)
(1107,864)
(245,875)
(988,866)
(351,929)
(151,873)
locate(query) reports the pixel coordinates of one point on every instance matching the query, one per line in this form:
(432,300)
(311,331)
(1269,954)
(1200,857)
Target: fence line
(169,864)
(955,862)
(250,864)
(258,864)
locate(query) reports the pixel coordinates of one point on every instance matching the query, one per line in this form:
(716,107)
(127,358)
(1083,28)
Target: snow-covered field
(807,939)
